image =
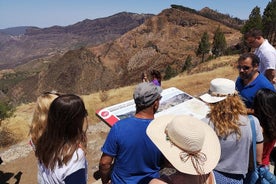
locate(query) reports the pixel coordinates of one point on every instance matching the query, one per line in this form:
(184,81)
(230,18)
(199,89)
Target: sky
(47,13)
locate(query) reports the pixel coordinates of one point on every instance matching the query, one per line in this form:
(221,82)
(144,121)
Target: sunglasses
(243,67)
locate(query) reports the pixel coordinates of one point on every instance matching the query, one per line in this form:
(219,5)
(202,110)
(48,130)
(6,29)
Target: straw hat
(220,88)
(189,144)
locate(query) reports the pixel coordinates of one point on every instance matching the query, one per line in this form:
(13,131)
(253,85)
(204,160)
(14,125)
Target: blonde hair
(40,114)
(225,115)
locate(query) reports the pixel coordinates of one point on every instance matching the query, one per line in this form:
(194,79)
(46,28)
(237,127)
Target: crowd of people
(169,149)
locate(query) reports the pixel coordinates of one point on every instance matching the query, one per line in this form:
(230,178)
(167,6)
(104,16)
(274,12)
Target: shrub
(6,110)
(169,73)
(6,138)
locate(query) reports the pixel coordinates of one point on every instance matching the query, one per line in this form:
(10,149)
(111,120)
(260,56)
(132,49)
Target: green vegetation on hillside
(265,22)
(219,43)
(254,21)
(11,79)
(269,21)
(203,46)
(6,136)
(6,110)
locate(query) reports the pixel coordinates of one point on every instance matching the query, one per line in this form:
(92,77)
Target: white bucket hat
(189,144)
(220,88)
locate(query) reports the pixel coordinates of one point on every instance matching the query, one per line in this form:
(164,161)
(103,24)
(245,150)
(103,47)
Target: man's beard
(246,76)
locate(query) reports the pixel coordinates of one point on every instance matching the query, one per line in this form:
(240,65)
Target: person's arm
(270,75)
(259,142)
(259,153)
(156,181)
(105,168)
(250,111)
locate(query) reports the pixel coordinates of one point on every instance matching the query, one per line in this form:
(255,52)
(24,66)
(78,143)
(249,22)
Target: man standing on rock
(129,156)
(265,51)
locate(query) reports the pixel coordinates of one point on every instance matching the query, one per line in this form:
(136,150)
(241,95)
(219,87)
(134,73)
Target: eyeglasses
(243,67)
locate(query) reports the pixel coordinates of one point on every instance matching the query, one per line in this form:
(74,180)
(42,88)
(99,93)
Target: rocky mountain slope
(37,43)
(166,39)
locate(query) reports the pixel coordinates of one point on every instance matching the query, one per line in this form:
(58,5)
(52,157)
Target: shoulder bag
(260,174)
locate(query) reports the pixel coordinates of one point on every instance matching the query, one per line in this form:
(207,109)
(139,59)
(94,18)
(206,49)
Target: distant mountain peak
(59,39)
(16,31)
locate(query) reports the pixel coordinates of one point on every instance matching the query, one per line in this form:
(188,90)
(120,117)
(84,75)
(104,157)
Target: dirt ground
(19,162)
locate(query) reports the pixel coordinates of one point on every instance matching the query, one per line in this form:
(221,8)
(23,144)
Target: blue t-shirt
(248,92)
(137,159)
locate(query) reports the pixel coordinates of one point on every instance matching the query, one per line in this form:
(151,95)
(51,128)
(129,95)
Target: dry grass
(196,82)
(93,101)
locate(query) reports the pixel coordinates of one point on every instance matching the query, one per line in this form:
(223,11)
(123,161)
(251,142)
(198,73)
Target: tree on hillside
(169,73)
(269,22)
(187,64)
(203,46)
(254,21)
(219,43)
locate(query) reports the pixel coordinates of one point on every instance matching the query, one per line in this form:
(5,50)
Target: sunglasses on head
(243,67)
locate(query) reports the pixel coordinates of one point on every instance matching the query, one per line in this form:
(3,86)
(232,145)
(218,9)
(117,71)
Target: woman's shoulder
(78,161)
(79,154)
(245,119)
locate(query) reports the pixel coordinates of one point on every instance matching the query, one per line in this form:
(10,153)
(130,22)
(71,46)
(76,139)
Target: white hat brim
(211,146)
(211,99)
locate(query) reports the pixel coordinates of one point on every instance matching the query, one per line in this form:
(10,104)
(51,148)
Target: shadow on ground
(5,177)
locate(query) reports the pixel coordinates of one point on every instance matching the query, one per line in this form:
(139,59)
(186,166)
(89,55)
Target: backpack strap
(253,130)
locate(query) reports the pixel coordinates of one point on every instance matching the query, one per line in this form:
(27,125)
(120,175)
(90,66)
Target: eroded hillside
(166,39)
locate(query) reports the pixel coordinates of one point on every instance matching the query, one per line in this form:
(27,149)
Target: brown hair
(254,58)
(64,132)
(156,74)
(265,111)
(253,33)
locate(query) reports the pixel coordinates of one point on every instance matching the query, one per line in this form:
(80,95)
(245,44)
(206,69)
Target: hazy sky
(46,13)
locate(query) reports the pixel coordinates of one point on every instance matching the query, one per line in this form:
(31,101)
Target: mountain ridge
(42,42)
(163,40)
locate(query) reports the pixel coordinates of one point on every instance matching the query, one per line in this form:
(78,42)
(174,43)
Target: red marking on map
(107,117)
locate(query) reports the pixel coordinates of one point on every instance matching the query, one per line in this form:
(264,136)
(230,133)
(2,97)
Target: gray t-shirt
(234,157)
